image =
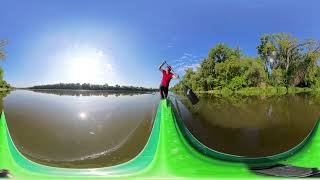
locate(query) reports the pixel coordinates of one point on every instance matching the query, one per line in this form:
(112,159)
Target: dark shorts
(164,91)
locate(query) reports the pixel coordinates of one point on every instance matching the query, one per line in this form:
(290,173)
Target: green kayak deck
(168,154)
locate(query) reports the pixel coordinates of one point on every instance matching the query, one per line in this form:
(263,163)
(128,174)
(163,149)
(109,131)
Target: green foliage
(292,90)
(297,60)
(316,84)
(2,53)
(222,52)
(237,83)
(228,70)
(3,84)
(278,77)
(226,91)
(255,75)
(282,90)
(291,64)
(1,73)
(253,91)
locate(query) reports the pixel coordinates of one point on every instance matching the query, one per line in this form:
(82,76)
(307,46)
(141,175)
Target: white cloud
(193,66)
(108,67)
(184,57)
(169,45)
(187,54)
(187,60)
(182,69)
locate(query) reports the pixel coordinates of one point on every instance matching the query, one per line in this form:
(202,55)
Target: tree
(2,56)
(278,77)
(207,67)
(2,53)
(282,61)
(3,83)
(188,76)
(222,52)
(207,73)
(250,70)
(237,82)
(255,75)
(296,58)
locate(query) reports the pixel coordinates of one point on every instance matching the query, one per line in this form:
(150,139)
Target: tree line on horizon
(87,86)
(282,61)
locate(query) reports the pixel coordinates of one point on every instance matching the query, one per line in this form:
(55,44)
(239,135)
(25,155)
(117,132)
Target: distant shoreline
(89,87)
(84,92)
(96,90)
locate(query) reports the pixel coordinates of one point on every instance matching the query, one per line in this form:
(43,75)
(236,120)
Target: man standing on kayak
(166,78)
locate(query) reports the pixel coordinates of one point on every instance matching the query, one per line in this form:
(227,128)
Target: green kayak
(251,161)
(168,154)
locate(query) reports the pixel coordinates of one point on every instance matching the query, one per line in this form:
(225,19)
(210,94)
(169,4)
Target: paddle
(281,170)
(188,91)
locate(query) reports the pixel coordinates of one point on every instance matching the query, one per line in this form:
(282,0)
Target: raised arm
(160,66)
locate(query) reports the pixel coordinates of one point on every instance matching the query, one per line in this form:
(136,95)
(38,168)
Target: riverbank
(5,89)
(264,91)
(3,93)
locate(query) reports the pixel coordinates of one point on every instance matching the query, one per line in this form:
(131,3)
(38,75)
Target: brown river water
(251,126)
(79,128)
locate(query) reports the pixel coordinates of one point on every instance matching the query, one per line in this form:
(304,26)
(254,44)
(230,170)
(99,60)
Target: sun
(88,65)
(84,69)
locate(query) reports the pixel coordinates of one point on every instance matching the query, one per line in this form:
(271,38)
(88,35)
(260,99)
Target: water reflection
(82,115)
(251,126)
(79,128)
(3,94)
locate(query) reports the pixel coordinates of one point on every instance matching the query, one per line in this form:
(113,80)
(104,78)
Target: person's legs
(165,90)
(161,92)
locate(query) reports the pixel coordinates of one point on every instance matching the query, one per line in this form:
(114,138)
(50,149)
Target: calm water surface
(251,126)
(79,128)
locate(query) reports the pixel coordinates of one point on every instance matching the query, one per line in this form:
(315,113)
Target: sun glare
(83,115)
(88,65)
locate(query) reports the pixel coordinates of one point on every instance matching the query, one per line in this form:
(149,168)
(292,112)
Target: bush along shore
(254,91)
(283,65)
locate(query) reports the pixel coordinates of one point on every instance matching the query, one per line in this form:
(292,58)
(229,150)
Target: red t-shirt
(166,78)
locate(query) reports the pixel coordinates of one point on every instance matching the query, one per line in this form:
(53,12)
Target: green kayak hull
(264,161)
(168,154)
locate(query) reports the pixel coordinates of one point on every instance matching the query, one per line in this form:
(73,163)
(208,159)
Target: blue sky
(122,42)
